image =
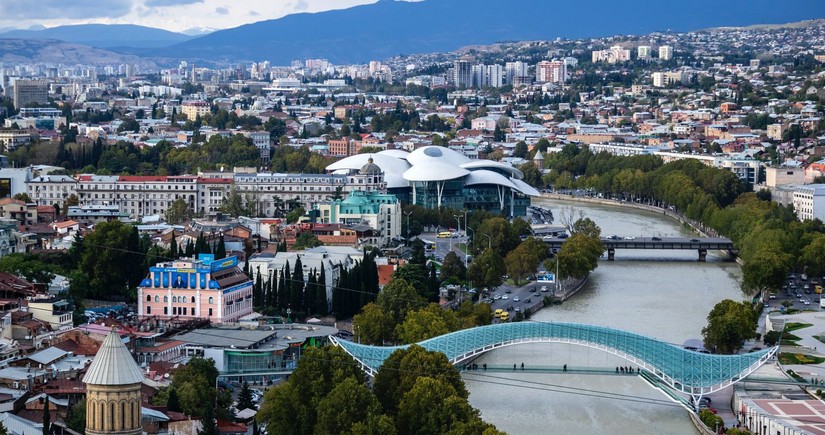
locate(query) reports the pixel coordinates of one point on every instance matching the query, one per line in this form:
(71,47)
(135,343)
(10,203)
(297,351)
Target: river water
(662,294)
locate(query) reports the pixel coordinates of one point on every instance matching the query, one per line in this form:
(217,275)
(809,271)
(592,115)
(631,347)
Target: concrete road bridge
(700,244)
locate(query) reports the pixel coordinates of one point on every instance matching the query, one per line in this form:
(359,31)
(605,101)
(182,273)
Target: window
(148,298)
(193,299)
(211,300)
(210,312)
(166,299)
(148,310)
(157,298)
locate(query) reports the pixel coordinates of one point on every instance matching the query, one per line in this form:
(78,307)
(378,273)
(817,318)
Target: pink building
(217,290)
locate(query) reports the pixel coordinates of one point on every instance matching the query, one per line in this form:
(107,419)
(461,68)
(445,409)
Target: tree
(398,298)
(453,268)
(520,150)
(220,250)
(294,215)
(47,417)
(578,256)
(178,212)
(245,398)
(729,324)
(587,227)
(433,406)
(486,269)
(306,240)
(76,420)
(348,403)
(22,196)
(525,259)
(399,372)
(428,322)
(29,267)
(233,204)
(110,254)
(372,325)
(209,425)
(194,384)
(291,408)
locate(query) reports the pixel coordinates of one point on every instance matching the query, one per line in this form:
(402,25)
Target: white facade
(614,54)
(666,52)
(51,189)
(809,202)
(643,52)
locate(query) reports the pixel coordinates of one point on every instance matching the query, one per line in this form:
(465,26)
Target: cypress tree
(173,247)
(47,417)
(283,290)
(321,303)
(220,250)
(257,287)
(310,293)
(296,297)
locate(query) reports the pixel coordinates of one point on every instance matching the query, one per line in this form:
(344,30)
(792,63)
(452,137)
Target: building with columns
(113,381)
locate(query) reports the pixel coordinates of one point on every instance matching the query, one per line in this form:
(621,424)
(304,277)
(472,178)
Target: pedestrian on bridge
(522,366)
(514,367)
(564,369)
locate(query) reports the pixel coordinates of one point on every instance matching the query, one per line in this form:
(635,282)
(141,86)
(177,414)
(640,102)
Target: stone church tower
(113,391)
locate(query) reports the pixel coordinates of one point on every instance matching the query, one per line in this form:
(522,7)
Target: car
(614,237)
(544,288)
(516,299)
(510,308)
(508,291)
(505,297)
(694,240)
(629,238)
(806,302)
(518,309)
(497,297)
(772,296)
(528,301)
(656,239)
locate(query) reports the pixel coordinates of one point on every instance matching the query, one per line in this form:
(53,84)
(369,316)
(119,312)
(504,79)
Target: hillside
(104,35)
(49,51)
(389,28)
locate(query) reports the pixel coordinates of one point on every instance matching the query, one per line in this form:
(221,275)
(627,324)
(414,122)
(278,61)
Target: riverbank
(698,227)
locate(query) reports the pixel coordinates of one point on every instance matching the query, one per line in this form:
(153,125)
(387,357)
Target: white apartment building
(614,54)
(150,195)
(11,139)
(665,79)
(51,189)
(643,52)
(666,52)
(514,69)
(809,202)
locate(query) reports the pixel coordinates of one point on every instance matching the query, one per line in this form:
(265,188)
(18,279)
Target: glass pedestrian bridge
(686,371)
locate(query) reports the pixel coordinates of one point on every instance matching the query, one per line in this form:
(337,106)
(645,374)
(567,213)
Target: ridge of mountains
(387,28)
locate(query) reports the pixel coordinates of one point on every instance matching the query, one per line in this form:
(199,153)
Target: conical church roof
(113,364)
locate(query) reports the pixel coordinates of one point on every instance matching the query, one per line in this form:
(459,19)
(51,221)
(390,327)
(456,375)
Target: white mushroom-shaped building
(434,177)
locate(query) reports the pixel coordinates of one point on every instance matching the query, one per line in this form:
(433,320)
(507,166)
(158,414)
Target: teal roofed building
(381,211)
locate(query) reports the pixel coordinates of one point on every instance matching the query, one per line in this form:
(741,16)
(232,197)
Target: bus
(505,316)
(444,235)
(428,245)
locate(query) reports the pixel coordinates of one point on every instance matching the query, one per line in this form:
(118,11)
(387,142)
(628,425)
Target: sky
(173,15)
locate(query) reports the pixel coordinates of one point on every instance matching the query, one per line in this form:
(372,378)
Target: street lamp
(489,240)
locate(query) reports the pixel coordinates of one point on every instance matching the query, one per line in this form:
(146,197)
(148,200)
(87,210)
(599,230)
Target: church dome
(370,168)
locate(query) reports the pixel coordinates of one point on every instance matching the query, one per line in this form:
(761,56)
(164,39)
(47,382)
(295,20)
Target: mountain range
(103,35)
(388,28)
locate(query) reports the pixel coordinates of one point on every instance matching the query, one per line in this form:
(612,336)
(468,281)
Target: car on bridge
(694,240)
(656,239)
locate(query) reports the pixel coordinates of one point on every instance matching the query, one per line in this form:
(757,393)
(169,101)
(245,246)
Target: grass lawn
(793,326)
(789,339)
(798,358)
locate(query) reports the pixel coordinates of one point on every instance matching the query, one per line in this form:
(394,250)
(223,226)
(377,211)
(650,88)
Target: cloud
(163,3)
(254,14)
(50,9)
(301,5)
(222,11)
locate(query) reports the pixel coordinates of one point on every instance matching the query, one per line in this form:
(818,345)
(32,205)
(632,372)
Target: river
(646,292)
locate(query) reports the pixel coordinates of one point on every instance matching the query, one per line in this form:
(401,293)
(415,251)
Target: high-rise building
(462,73)
(479,75)
(495,76)
(665,52)
(30,91)
(554,71)
(514,69)
(643,52)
